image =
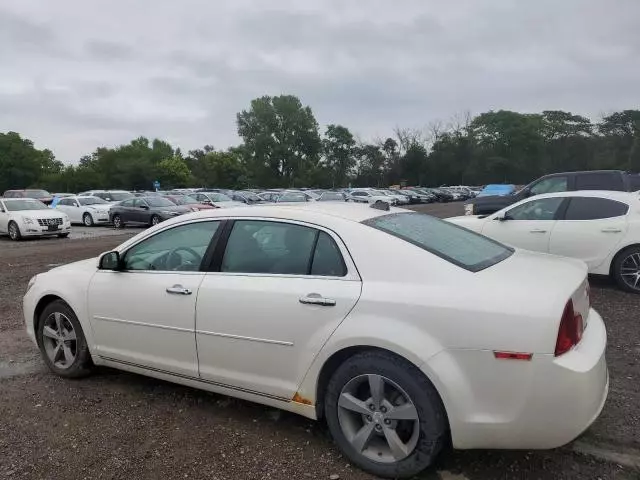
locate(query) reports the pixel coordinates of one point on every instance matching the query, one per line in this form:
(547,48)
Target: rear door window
(593,208)
(550,185)
(599,181)
(537,209)
(455,244)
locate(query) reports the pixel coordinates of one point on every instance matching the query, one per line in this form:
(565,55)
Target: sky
(78,74)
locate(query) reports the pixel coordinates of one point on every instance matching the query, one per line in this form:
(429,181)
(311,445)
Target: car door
(4,218)
(590,229)
(125,210)
(144,313)
(279,290)
(140,212)
(528,225)
(72,208)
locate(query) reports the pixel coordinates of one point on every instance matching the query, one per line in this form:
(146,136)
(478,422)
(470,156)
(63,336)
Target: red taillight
(570,331)
(512,355)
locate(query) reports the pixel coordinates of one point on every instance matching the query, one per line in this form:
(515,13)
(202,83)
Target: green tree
(173,172)
(21,164)
(281,140)
(339,151)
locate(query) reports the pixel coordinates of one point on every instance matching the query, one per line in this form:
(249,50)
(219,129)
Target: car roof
(610,194)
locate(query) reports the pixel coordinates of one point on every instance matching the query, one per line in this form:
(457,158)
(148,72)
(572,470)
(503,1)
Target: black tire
(154,220)
(117,221)
(14,231)
(623,259)
(63,235)
(82,364)
(87,220)
(432,420)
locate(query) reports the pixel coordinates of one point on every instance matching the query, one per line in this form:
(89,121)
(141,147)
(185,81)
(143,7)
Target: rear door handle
(178,290)
(537,230)
(611,230)
(317,299)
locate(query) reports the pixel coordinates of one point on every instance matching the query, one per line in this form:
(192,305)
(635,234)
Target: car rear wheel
(14,231)
(155,220)
(117,222)
(626,269)
(87,219)
(385,415)
(62,342)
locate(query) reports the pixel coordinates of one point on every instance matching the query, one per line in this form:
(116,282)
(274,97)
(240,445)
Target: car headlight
(27,220)
(32,282)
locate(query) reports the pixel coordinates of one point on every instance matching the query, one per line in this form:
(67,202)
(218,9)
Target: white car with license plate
(26,217)
(601,228)
(301,307)
(85,210)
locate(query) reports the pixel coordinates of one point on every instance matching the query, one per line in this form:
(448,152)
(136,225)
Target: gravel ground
(118,425)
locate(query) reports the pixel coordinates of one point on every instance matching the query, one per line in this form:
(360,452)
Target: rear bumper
(508,404)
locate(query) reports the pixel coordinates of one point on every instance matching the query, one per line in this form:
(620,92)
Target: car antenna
(380,205)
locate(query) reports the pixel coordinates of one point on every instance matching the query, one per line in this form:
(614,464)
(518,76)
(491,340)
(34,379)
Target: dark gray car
(145,210)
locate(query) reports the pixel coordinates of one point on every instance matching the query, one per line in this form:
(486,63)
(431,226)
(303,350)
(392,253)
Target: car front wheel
(87,219)
(14,231)
(117,222)
(62,342)
(385,415)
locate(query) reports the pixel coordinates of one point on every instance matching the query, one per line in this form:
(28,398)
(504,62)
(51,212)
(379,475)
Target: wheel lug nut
(383,409)
(372,407)
(378,427)
(369,418)
(387,421)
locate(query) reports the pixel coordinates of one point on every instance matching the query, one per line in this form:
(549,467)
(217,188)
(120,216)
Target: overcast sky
(78,74)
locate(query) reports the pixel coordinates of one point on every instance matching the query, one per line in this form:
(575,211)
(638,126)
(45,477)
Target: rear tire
(62,342)
(14,231)
(401,434)
(87,220)
(626,269)
(117,222)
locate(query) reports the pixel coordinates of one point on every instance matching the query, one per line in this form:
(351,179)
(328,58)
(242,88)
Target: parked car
(412,196)
(497,189)
(296,308)
(145,210)
(401,198)
(246,197)
(601,228)
(615,180)
(37,194)
(85,210)
(423,196)
(188,201)
(109,195)
(328,196)
(216,200)
(27,217)
(369,195)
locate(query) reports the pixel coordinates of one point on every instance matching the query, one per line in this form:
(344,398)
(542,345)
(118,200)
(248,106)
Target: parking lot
(119,425)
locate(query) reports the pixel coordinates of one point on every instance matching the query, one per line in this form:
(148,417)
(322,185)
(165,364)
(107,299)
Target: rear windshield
(36,193)
(455,244)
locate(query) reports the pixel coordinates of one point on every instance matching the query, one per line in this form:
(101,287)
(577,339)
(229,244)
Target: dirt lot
(119,425)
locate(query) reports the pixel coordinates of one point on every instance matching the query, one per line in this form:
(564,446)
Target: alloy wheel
(59,340)
(378,418)
(13,231)
(88,220)
(155,220)
(117,221)
(630,271)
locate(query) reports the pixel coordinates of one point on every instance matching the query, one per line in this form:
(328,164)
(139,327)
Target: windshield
(292,197)
(219,197)
(252,197)
(183,200)
(118,196)
(159,202)
(36,193)
(455,244)
(329,196)
(26,204)
(91,201)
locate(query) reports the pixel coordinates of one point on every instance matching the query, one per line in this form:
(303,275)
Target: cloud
(78,75)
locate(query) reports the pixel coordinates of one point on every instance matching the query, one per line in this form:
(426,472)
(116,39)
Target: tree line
(282,146)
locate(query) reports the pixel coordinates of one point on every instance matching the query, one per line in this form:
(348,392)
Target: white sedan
(86,210)
(26,217)
(369,195)
(383,322)
(602,228)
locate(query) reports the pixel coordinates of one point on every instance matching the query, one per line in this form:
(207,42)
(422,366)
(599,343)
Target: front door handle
(537,230)
(178,290)
(611,230)
(317,299)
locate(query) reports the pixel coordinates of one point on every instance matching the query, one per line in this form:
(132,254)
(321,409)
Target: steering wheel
(174,261)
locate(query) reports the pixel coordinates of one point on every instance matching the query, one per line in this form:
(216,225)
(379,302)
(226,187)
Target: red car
(42,195)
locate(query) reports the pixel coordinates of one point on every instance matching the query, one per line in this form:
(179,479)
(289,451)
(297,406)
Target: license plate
(52,228)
